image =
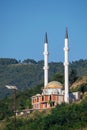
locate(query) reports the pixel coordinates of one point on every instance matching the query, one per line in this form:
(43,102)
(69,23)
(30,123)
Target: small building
(50,97)
(74,96)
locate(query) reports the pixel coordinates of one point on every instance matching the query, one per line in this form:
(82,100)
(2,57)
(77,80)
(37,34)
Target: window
(42,98)
(45,105)
(50,97)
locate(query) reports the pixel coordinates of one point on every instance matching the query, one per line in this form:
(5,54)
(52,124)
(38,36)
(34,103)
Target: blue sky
(23,24)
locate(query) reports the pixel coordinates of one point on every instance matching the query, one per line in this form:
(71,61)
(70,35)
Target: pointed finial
(46,39)
(66,35)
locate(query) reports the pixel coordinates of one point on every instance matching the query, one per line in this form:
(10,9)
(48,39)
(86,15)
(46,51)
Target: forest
(27,75)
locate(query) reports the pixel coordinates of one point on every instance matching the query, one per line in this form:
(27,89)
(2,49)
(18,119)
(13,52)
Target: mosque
(54,92)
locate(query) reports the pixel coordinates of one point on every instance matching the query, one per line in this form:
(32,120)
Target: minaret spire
(66,35)
(45,60)
(66,64)
(46,39)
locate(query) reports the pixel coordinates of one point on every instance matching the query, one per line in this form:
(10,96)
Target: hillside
(29,73)
(81,81)
(80,85)
(63,117)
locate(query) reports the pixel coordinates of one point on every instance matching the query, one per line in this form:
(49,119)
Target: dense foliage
(23,101)
(26,76)
(28,73)
(63,117)
(72,76)
(7,61)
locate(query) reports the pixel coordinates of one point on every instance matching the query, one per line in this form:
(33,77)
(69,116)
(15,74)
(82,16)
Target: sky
(23,24)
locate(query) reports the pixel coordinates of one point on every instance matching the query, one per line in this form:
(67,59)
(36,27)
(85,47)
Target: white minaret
(45,60)
(66,64)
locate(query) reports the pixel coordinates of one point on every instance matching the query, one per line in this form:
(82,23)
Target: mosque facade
(51,96)
(54,92)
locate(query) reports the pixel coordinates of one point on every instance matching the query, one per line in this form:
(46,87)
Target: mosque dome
(54,84)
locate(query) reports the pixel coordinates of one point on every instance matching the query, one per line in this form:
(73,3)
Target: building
(51,96)
(54,92)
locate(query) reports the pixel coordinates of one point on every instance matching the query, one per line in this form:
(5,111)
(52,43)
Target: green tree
(83,89)
(58,77)
(30,61)
(72,76)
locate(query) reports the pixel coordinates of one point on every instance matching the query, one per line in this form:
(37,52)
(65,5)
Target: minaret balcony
(46,67)
(66,64)
(45,53)
(66,49)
